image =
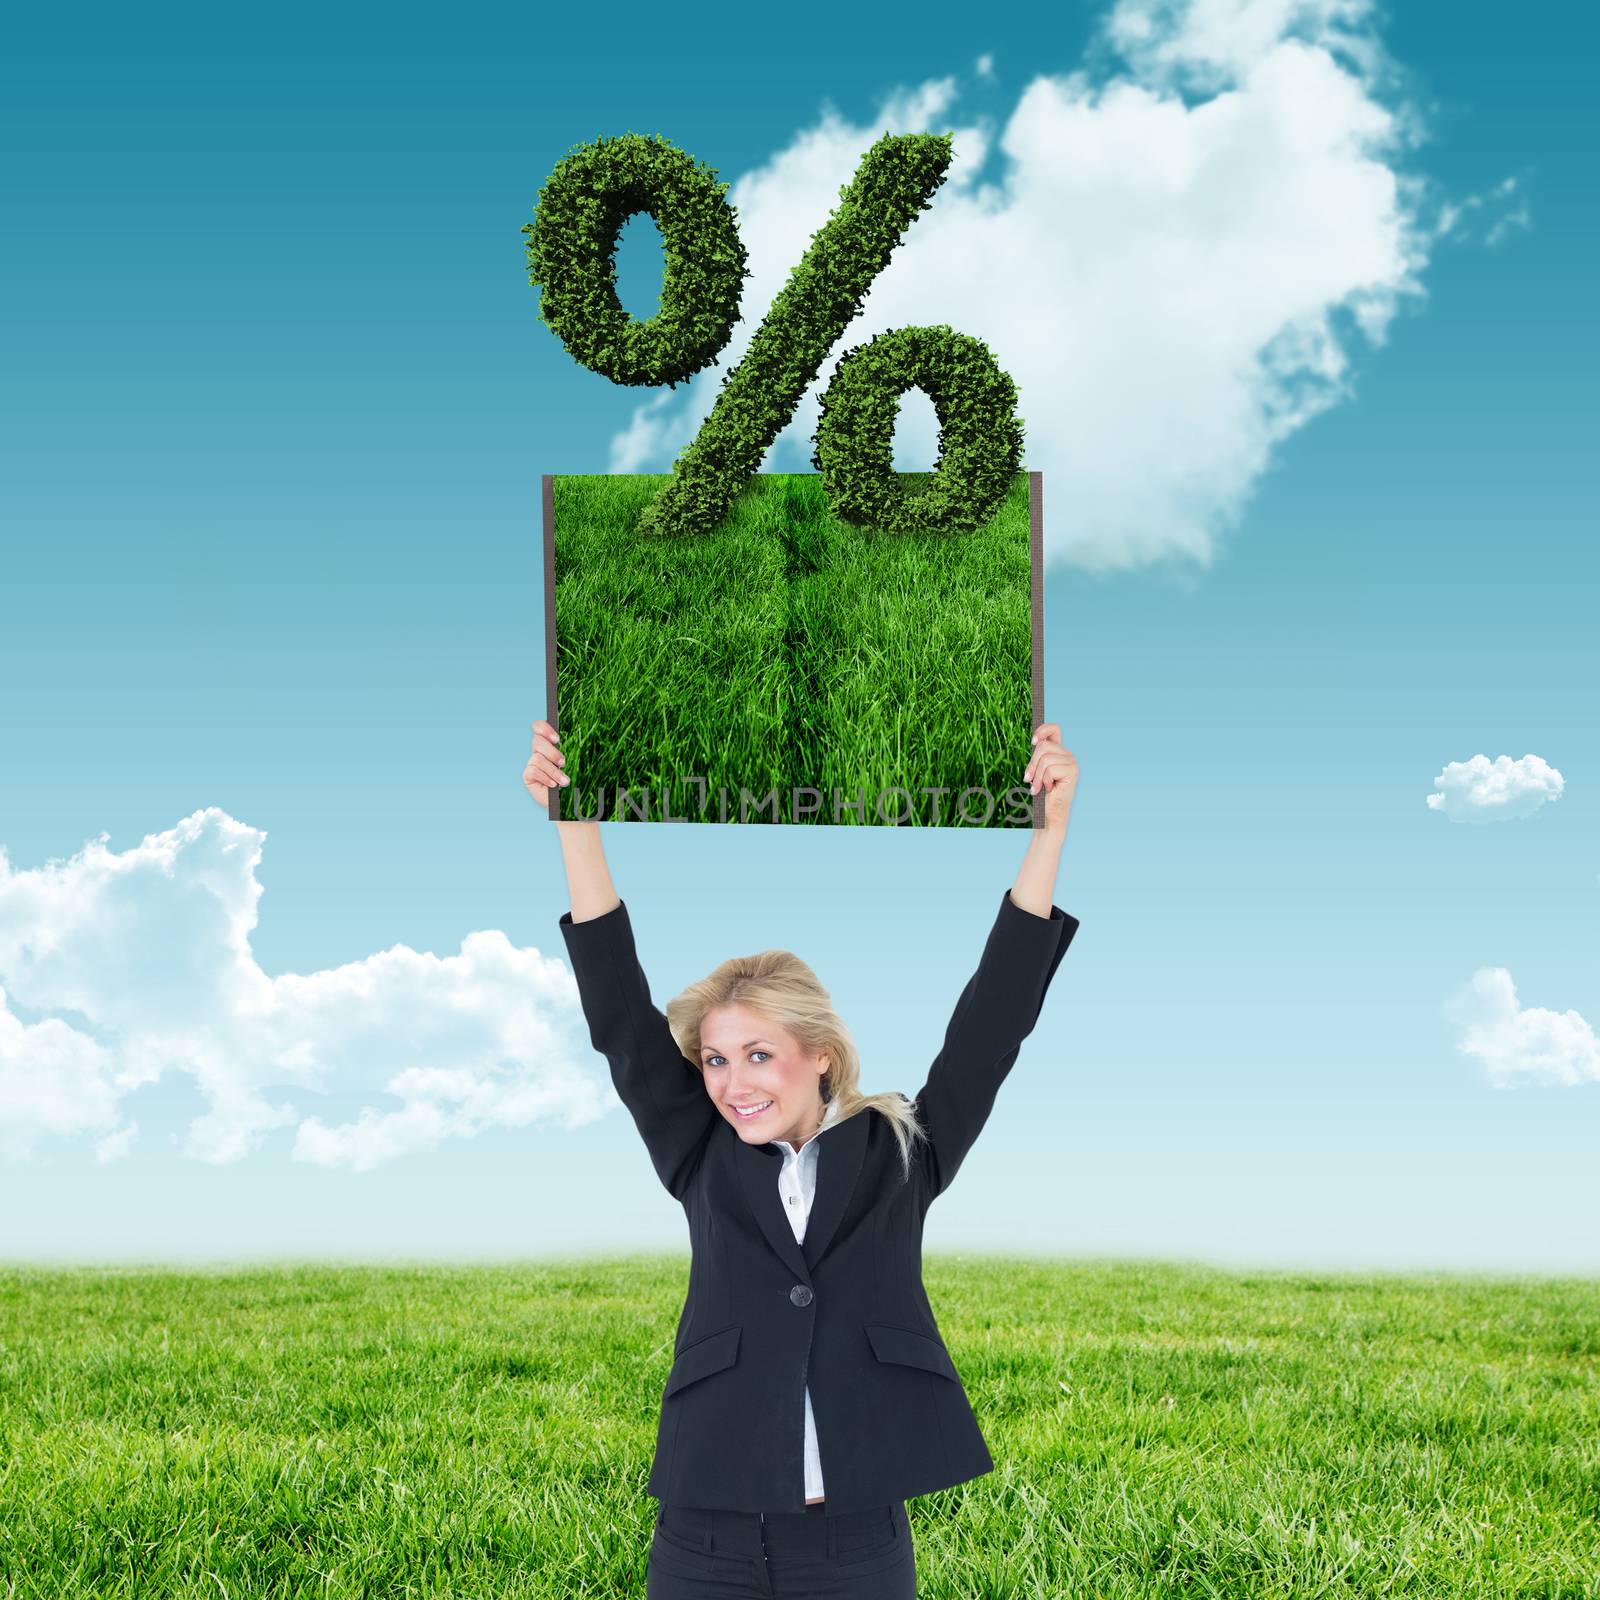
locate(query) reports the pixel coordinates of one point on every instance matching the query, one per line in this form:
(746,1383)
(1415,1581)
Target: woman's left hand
(1055,771)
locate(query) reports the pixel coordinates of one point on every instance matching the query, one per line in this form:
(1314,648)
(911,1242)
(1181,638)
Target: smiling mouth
(748,1113)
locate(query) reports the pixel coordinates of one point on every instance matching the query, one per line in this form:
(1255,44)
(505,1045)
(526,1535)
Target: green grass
(486,1431)
(788,650)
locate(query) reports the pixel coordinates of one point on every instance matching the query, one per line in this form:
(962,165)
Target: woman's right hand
(543,771)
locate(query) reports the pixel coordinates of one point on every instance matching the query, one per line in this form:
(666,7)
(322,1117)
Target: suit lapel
(840,1150)
(839,1153)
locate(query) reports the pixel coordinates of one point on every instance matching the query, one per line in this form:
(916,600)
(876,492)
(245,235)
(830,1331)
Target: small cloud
(984,66)
(117,1144)
(1519,1044)
(1498,212)
(1481,790)
(1517,221)
(140,962)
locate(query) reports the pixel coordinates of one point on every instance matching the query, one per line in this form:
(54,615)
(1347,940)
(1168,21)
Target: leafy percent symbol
(571,250)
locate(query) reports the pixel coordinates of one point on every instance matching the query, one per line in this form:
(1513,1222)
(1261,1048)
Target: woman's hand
(1055,771)
(543,771)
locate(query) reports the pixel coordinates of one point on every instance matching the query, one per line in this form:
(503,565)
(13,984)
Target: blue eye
(712,1060)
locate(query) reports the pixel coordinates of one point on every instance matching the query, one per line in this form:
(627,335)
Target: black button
(800,1294)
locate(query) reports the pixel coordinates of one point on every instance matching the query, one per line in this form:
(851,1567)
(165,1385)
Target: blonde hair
(786,991)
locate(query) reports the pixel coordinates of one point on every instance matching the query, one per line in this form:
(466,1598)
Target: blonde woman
(810,1394)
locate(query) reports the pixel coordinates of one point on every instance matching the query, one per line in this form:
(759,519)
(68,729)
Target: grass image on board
(789,666)
(485,1431)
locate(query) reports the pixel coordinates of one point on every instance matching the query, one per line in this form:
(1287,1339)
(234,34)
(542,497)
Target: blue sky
(1299,303)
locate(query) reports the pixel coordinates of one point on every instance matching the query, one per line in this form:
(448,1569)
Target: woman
(810,1393)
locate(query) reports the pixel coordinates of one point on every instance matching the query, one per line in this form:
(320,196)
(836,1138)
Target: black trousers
(698,1554)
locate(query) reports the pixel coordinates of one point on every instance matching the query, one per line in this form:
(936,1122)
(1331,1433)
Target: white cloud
(1481,790)
(1173,284)
(140,963)
(1517,1043)
(984,65)
(1212,43)
(53,1080)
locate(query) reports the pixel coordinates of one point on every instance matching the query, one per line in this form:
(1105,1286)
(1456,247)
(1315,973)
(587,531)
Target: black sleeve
(996,1012)
(660,1086)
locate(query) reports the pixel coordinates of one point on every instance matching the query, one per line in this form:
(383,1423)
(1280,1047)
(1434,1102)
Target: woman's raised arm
(1055,770)
(660,1086)
(1001,1002)
(589,885)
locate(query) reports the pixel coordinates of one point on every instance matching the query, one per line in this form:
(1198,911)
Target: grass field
(485,1431)
(791,650)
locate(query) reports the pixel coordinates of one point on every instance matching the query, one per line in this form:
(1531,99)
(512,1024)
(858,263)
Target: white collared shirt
(797,1187)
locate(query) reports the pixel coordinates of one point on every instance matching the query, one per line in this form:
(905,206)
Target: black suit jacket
(845,1311)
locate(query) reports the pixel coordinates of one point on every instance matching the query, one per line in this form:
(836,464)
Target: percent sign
(572,247)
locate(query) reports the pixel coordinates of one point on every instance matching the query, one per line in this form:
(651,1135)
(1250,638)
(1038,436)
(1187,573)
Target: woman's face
(747,1061)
